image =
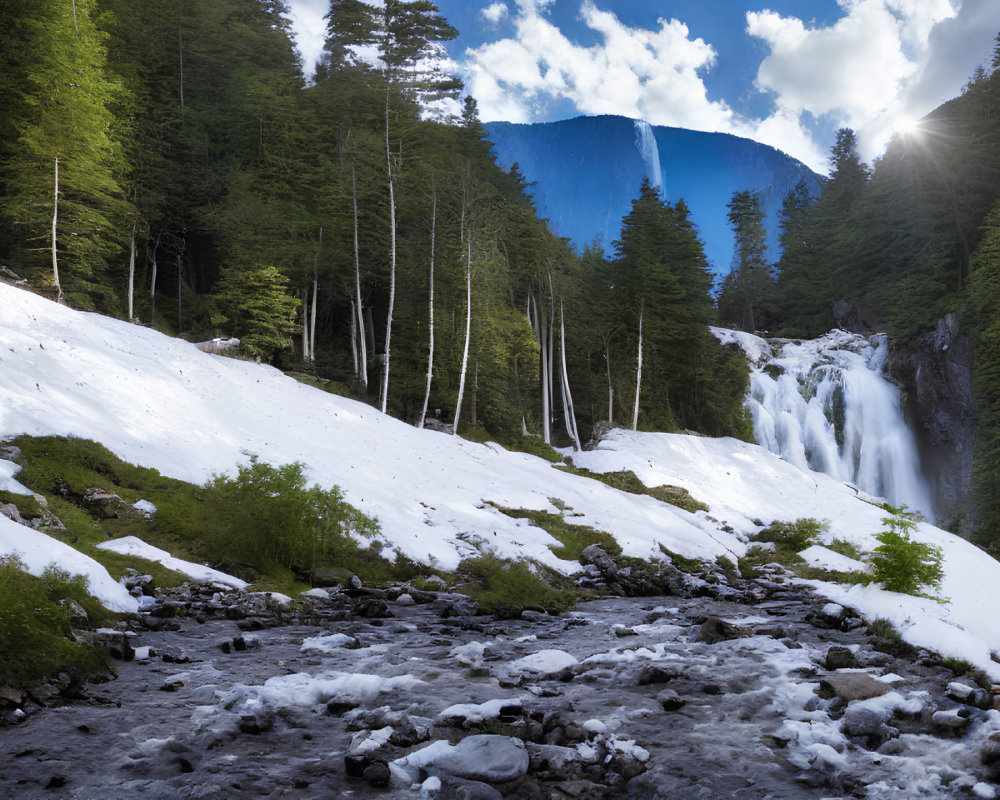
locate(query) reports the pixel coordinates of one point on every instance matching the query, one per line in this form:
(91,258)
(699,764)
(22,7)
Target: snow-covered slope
(160,402)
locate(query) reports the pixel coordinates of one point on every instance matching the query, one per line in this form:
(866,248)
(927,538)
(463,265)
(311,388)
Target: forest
(168,163)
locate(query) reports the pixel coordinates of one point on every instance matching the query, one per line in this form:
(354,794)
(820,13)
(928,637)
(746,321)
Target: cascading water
(645,140)
(823,404)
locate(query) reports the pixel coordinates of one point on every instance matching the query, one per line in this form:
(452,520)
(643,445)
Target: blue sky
(784,72)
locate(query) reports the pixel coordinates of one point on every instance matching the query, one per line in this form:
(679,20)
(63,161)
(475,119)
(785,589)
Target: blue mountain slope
(587,170)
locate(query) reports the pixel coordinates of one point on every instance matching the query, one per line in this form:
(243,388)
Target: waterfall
(824,404)
(645,141)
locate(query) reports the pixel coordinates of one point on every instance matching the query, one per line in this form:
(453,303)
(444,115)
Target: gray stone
(850,686)
(670,700)
(598,556)
(484,757)
(838,657)
(717,630)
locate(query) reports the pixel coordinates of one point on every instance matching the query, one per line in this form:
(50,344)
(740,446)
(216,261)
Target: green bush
(573,538)
(505,588)
(846,548)
(627,481)
(903,565)
(34,627)
(798,535)
(267,516)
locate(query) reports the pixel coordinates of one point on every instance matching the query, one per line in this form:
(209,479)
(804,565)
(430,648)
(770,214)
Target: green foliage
(268,516)
(846,548)
(883,629)
(903,565)
(628,481)
(254,302)
(573,538)
(692,566)
(34,627)
(27,506)
(747,289)
(795,536)
(505,588)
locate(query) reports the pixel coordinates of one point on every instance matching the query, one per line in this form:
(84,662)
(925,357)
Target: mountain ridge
(586,171)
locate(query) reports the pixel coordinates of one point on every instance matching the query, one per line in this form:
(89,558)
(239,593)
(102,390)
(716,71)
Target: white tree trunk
(305,324)
(152,283)
(315,299)
(354,336)
(638,371)
(392,259)
(468,330)
(131,275)
(430,323)
(55,217)
(570,412)
(363,339)
(611,391)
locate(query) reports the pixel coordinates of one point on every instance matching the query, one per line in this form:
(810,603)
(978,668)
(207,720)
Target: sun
(909,127)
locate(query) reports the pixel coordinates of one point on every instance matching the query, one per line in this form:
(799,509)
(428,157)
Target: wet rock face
(937,373)
(705,698)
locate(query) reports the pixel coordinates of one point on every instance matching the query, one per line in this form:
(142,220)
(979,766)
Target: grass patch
(798,535)
(628,481)
(324,384)
(573,538)
(883,629)
(34,626)
(692,566)
(27,506)
(506,588)
(846,548)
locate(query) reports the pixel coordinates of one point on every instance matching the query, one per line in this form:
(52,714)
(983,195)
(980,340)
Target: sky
(788,73)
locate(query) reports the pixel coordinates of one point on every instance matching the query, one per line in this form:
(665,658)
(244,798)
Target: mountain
(160,402)
(587,170)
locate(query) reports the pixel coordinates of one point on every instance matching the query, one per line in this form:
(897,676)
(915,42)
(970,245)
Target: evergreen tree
(747,289)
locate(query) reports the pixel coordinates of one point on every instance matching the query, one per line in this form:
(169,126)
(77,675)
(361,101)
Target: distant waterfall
(646,142)
(823,404)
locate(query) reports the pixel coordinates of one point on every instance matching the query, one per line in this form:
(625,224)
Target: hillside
(161,402)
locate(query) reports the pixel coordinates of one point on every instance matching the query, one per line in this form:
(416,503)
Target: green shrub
(798,535)
(883,629)
(505,588)
(267,516)
(846,548)
(903,565)
(34,627)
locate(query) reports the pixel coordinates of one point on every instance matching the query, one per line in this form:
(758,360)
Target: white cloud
(652,74)
(309,29)
(880,62)
(495,12)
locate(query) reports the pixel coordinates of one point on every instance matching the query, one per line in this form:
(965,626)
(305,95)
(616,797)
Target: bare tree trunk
(567,394)
(430,323)
(315,300)
(180,45)
(55,216)
(392,259)
(546,390)
(131,274)
(152,283)
(638,370)
(354,336)
(305,324)
(611,391)
(357,284)
(468,331)
(77,29)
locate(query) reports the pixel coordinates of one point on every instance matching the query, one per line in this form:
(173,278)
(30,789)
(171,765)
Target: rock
(377,773)
(598,556)
(106,505)
(670,701)
(456,605)
(372,608)
(78,617)
(864,723)
(838,657)
(717,630)
(953,721)
(850,686)
(330,576)
(654,674)
(452,789)
(405,599)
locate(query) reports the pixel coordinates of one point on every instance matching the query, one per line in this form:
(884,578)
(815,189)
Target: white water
(646,142)
(824,405)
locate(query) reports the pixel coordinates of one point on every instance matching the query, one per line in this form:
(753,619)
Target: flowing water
(825,404)
(645,141)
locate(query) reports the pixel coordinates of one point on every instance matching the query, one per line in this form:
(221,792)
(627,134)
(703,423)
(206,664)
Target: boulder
(103,504)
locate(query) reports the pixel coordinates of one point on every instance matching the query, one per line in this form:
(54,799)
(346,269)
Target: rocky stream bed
(760,690)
